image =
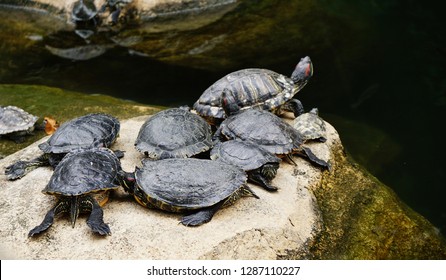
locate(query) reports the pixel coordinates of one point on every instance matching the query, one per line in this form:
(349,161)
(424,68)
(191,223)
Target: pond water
(379,78)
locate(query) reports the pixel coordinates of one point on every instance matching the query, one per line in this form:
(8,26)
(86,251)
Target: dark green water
(379,78)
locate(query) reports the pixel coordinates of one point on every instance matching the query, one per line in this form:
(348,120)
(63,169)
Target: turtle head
(303,71)
(229,103)
(127,181)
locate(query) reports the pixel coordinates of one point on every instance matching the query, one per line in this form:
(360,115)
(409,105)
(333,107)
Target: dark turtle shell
(265,129)
(185,184)
(245,155)
(96,129)
(14,119)
(174,133)
(85,171)
(254,88)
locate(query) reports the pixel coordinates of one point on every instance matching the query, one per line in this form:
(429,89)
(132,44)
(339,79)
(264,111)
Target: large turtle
(15,123)
(310,126)
(260,165)
(81,183)
(269,132)
(174,133)
(254,88)
(92,130)
(195,186)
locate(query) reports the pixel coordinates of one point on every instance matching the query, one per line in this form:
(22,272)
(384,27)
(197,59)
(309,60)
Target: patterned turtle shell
(14,119)
(253,88)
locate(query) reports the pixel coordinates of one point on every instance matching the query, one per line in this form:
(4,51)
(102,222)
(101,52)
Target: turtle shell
(174,133)
(245,155)
(310,126)
(85,171)
(254,88)
(14,119)
(263,128)
(179,184)
(96,129)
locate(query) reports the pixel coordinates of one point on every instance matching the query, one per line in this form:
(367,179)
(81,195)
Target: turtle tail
(74,210)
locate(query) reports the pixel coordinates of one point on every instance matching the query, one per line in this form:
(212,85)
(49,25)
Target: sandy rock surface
(265,228)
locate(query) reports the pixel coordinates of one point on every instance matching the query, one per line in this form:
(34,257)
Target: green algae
(364,219)
(62,105)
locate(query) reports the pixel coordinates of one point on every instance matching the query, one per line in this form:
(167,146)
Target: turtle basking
(174,133)
(15,123)
(197,187)
(93,130)
(260,165)
(269,132)
(254,88)
(310,126)
(81,183)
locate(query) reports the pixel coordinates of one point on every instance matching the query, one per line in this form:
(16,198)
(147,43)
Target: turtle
(198,187)
(268,131)
(254,88)
(310,126)
(174,133)
(16,123)
(260,165)
(88,131)
(81,182)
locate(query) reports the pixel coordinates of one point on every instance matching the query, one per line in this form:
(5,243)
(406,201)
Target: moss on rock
(364,219)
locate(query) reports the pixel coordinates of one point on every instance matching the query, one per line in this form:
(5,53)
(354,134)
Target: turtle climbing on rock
(196,187)
(269,132)
(310,126)
(81,182)
(174,133)
(260,165)
(254,88)
(92,130)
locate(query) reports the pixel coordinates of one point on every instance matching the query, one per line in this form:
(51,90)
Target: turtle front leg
(62,206)
(20,168)
(95,221)
(295,106)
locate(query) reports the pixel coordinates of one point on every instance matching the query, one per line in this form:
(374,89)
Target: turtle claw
(101,229)
(16,170)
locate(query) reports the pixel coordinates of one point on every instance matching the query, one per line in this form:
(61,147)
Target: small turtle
(310,126)
(197,186)
(254,88)
(15,123)
(93,130)
(269,132)
(174,133)
(260,165)
(81,183)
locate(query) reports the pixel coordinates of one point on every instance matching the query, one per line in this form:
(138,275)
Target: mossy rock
(62,105)
(364,219)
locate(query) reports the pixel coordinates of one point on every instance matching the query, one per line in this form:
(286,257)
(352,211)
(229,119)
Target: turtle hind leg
(306,152)
(95,221)
(202,216)
(62,206)
(257,177)
(20,168)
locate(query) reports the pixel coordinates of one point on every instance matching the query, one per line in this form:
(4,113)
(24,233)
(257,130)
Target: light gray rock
(265,228)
